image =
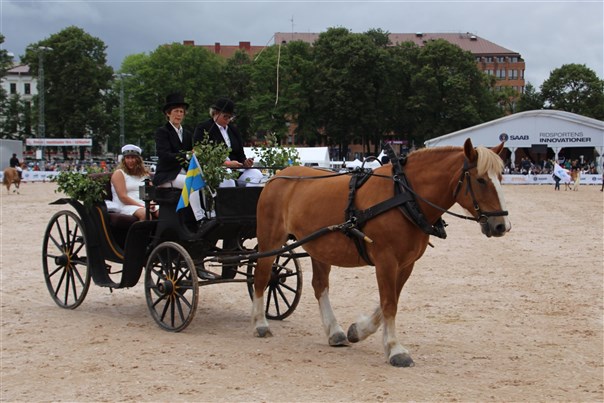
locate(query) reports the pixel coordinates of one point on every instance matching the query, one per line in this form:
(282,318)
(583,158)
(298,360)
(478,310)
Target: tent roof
(524,129)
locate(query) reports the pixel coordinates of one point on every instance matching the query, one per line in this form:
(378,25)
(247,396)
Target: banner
(58,142)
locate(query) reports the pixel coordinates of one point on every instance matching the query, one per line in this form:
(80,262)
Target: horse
(299,201)
(11,176)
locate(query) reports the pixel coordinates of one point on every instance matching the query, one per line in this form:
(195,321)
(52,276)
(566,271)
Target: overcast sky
(548,34)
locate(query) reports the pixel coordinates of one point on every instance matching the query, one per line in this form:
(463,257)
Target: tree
(530,100)
(449,92)
(76,79)
(191,70)
(8,105)
(574,88)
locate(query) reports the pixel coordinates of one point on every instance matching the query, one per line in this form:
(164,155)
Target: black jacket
(171,153)
(237,153)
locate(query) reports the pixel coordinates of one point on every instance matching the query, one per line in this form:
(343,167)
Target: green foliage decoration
(88,189)
(274,156)
(211,157)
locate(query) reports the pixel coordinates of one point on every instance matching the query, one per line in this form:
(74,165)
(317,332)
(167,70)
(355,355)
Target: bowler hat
(174,100)
(224,105)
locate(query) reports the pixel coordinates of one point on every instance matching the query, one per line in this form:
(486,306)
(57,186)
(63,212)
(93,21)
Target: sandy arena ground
(518,318)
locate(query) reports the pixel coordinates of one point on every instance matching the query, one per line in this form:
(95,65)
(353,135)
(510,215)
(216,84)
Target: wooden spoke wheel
(284,288)
(65,260)
(171,286)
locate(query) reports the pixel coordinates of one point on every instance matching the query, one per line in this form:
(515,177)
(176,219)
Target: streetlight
(41,125)
(121,76)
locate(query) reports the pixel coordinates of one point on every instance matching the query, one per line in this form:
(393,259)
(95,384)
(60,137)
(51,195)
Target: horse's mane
(488,161)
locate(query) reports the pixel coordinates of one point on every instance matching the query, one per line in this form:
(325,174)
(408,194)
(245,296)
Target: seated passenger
(126,181)
(220,129)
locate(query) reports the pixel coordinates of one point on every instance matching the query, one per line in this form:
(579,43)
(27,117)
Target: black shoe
(205,225)
(205,275)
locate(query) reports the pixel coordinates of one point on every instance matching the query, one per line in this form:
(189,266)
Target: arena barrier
(46,176)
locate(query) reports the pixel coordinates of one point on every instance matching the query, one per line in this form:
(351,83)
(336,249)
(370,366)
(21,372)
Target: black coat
(171,153)
(209,126)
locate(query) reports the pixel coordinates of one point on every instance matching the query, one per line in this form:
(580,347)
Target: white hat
(131,149)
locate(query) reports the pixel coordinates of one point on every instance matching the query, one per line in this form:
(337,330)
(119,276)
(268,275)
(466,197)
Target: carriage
(382,218)
(177,257)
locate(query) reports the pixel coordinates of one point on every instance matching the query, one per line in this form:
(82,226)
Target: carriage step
(206,275)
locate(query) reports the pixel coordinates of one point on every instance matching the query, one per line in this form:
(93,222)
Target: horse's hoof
(338,340)
(401,360)
(263,331)
(353,335)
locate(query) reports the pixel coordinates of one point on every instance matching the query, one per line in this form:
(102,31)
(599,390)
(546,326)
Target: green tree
(450,93)
(76,79)
(8,105)
(191,70)
(348,84)
(530,100)
(574,88)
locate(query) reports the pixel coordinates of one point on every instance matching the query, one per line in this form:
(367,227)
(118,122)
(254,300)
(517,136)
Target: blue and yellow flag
(193,182)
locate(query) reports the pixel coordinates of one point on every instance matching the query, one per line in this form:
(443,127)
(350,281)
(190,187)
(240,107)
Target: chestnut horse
(301,200)
(11,176)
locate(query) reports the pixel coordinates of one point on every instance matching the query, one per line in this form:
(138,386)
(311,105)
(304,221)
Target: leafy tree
(191,70)
(450,93)
(348,80)
(506,99)
(574,88)
(8,105)
(76,79)
(530,100)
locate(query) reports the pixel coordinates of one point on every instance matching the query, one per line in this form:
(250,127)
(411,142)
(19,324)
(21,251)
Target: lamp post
(41,124)
(121,76)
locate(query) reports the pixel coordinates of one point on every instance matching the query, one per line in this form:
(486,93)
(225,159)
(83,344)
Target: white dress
(132,188)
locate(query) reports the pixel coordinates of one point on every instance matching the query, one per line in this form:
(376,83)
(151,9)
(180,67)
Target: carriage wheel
(284,288)
(171,286)
(65,260)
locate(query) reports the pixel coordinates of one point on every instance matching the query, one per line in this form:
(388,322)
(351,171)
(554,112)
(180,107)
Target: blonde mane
(488,161)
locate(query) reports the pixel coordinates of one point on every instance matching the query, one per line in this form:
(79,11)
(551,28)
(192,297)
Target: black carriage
(177,255)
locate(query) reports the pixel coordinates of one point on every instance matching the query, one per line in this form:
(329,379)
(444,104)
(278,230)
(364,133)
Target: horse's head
(479,189)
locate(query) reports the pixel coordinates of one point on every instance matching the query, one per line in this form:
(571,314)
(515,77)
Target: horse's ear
(497,150)
(469,150)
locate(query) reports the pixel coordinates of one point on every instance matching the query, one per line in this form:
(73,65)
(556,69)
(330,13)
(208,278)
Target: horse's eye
(482,181)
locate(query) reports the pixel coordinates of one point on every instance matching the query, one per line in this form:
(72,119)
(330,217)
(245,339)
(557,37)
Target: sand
(518,318)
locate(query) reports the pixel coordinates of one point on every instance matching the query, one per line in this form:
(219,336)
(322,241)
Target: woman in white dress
(126,180)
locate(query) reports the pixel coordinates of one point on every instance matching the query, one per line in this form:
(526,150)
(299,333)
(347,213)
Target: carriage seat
(116,220)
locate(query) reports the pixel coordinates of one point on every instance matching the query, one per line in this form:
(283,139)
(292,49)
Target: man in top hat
(220,129)
(172,141)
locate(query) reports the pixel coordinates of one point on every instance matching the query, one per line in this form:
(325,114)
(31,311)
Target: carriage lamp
(146,193)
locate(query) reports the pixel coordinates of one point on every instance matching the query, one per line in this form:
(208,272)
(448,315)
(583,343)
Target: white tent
(316,156)
(555,129)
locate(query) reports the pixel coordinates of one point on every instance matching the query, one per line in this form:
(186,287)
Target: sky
(547,34)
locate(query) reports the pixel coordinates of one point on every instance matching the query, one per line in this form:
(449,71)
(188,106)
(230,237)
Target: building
(507,66)
(19,81)
(227,51)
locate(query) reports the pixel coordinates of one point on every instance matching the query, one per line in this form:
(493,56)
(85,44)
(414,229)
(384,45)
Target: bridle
(483,216)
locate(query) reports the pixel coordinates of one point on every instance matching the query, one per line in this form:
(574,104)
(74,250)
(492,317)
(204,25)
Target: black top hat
(174,100)
(224,105)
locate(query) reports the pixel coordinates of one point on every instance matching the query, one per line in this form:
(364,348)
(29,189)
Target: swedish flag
(193,182)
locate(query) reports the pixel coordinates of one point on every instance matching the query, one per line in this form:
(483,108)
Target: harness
(404,199)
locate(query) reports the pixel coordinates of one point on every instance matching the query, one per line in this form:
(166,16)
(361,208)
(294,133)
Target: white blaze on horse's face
(499,189)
